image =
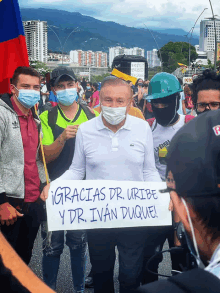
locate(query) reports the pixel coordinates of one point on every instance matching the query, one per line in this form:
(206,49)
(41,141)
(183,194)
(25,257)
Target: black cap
(194,156)
(60,71)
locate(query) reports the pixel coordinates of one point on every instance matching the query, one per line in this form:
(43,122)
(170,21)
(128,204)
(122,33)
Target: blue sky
(157,13)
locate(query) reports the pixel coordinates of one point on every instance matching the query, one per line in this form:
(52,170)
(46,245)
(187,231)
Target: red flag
(12,42)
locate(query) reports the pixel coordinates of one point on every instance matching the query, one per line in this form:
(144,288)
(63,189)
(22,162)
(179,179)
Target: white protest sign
(138,70)
(92,204)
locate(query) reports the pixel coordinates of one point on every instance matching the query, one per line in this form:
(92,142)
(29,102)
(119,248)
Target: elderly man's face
(116,96)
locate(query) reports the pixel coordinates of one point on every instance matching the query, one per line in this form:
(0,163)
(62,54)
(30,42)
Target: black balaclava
(168,115)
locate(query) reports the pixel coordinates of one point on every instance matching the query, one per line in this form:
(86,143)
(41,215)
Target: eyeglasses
(168,189)
(212,106)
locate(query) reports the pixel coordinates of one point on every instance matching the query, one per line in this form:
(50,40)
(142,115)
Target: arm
(140,94)
(52,149)
(16,272)
(184,107)
(8,214)
(150,170)
(77,169)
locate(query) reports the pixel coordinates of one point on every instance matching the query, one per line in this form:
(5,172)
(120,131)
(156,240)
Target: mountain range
(72,30)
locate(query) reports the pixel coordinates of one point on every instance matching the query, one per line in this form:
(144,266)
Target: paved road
(64,284)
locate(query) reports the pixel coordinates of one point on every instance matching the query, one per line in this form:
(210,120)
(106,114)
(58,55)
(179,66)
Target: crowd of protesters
(85,129)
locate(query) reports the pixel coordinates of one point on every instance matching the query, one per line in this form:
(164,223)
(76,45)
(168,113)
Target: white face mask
(193,247)
(114,116)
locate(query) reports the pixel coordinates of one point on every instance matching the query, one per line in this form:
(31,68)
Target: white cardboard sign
(93,204)
(138,70)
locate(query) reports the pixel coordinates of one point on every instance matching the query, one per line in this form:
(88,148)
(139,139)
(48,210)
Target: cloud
(159,13)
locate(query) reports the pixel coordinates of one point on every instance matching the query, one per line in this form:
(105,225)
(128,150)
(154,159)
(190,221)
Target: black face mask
(168,115)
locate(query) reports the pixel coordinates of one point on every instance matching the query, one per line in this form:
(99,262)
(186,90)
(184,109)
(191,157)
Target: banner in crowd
(12,42)
(92,204)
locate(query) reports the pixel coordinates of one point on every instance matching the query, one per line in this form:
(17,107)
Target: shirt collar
(100,125)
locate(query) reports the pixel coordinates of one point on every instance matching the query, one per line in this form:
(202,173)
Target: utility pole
(62,47)
(192,29)
(157,46)
(213,17)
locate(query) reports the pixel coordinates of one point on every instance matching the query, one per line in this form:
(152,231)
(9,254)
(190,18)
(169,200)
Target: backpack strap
(87,111)
(188,118)
(52,118)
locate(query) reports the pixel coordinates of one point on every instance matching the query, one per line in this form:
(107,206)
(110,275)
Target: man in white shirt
(114,146)
(164,94)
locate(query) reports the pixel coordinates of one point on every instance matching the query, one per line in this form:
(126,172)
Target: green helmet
(162,85)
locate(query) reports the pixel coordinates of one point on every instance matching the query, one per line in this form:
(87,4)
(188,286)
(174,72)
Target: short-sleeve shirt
(57,167)
(162,137)
(95,96)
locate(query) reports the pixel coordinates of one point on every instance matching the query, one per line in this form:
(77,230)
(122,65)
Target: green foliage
(41,67)
(174,53)
(153,71)
(99,78)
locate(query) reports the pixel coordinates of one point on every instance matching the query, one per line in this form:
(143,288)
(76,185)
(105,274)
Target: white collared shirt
(101,154)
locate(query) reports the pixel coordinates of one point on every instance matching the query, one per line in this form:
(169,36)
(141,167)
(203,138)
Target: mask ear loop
(17,90)
(200,264)
(174,113)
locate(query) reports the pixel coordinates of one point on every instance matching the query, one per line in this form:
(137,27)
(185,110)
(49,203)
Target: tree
(41,67)
(99,78)
(153,71)
(174,53)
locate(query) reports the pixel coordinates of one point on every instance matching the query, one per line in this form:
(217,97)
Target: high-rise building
(115,51)
(36,39)
(207,34)
(88,58)
(153,59)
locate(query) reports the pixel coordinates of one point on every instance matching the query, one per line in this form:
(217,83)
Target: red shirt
(29,134)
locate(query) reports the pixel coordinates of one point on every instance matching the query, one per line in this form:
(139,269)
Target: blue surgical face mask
(67,97)
(28,98)
(88,87)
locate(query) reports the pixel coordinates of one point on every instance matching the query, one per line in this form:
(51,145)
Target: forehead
(28,79)
(207,96)
(116,91)
(71,81)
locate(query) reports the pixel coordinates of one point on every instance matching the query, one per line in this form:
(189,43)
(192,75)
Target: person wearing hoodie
(20,206)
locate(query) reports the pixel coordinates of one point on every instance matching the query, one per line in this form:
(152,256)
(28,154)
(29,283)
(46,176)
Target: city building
(197,48)
(202,58)
(207,34)
(88,58)
(153,59)
(58,57)
(36,39)
(115,51)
